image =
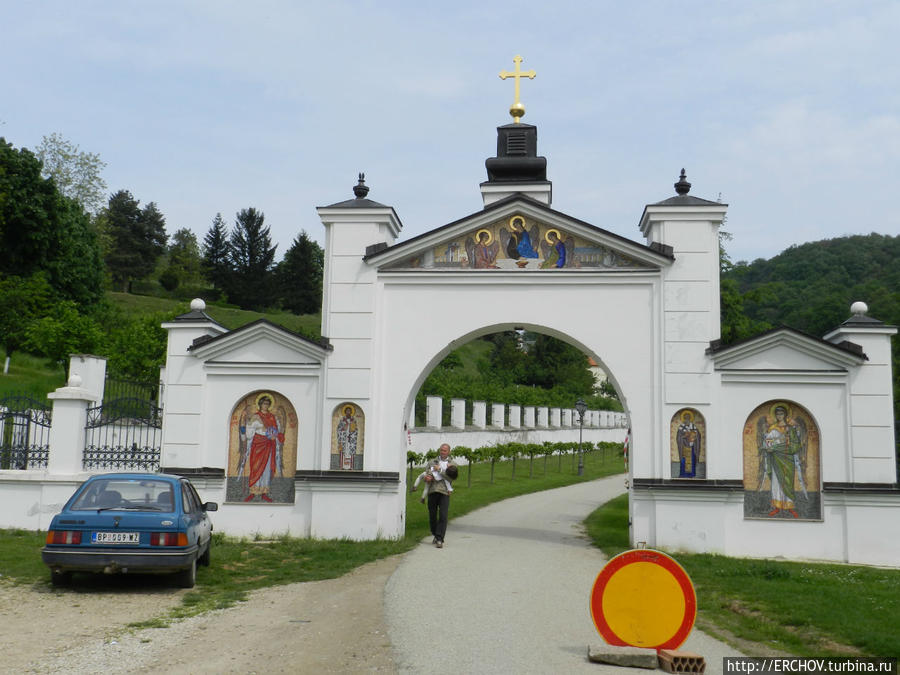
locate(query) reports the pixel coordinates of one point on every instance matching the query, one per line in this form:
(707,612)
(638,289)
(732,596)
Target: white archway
(392,311)
(499,328)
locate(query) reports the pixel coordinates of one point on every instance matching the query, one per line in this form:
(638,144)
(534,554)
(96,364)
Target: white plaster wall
(377,511)
(460,307)
(30,499)
(862,530)
(689,314)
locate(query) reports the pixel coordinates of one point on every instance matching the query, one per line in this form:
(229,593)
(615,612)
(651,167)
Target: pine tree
(299,276)
(251,257)
(216,259)
(138,238)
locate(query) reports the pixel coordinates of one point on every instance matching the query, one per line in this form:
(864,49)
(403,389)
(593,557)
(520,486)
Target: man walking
(439,495)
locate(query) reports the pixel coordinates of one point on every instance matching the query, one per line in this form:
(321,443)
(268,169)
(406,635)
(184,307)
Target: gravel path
(331,626)
(509,592)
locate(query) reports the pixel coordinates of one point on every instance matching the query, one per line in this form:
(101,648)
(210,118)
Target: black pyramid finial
(682,187)
(360,189)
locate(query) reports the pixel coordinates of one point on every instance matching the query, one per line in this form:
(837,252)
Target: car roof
(137,476)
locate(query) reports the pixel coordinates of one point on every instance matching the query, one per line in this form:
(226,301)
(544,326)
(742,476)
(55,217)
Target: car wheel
(207,554)
(186,578)
(60,578)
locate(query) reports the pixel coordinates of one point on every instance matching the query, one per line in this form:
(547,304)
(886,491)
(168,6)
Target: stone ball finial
(197,305)
(859,308)
(74,380)
(361,189)
(682,187)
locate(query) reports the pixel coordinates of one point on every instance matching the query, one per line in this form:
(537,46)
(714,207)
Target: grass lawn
(29,375)
(760,606)
(798,608)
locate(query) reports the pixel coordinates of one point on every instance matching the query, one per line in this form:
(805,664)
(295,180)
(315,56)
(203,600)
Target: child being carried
(440,470)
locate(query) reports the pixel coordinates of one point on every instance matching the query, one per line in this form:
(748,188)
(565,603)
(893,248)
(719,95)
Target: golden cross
(517,109)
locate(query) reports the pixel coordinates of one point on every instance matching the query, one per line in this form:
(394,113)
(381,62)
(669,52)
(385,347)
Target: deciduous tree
(184,257)
(21,302)
(42,230)
(62,332)
(77,174)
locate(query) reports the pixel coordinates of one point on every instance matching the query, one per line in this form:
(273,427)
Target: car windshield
(139,494)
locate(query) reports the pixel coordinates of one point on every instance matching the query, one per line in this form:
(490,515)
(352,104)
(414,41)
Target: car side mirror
(210,506)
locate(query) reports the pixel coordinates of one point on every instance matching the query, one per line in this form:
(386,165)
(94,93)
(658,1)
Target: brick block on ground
(673,661)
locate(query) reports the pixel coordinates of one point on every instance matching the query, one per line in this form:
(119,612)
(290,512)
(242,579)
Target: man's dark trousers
(438,508)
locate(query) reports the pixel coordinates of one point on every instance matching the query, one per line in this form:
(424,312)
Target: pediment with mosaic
(519,242)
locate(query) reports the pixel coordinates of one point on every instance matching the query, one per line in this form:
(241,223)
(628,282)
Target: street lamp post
(580,408)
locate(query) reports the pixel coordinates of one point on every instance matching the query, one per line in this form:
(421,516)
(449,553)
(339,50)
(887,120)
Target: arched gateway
(648,312)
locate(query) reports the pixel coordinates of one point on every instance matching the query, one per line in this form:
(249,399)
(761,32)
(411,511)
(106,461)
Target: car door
(199,525)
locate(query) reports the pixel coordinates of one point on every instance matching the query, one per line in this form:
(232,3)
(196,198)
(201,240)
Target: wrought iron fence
(24,432)
(115,388)
(124,434)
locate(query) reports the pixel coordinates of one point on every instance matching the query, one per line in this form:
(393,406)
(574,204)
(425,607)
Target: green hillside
(229,316)
(810,288)
(38,376)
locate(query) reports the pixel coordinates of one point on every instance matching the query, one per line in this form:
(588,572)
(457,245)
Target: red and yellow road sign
(643,598)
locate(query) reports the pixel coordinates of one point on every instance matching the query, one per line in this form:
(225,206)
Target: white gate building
(782,445)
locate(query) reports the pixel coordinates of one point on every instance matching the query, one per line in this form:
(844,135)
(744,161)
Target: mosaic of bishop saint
(687,434)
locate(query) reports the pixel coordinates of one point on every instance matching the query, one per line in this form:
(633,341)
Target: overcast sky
(788,111)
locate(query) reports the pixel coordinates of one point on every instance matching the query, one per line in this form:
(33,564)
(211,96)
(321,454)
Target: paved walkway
(518,577)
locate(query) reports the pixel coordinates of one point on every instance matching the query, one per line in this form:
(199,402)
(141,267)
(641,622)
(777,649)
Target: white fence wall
(513,423)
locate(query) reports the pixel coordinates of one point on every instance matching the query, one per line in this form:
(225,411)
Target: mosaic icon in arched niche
(687,440)
(781,463)
(348,424)
(262,450)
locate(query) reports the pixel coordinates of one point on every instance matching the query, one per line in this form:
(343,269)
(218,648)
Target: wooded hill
(810,287)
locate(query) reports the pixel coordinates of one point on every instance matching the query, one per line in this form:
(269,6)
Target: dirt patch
(335,625)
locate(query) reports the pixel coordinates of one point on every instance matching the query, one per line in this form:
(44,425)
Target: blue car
(121,523)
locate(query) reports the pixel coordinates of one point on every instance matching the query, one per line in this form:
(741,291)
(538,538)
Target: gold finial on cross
(517,109)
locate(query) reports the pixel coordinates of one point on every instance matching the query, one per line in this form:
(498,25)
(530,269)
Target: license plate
(115,538)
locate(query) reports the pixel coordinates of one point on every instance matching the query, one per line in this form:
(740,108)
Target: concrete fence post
(92,371)
(434,411)
(479,414)
(515,416)
(70,404)
(555,418)
(498,414)
(529,417)
(458,413)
